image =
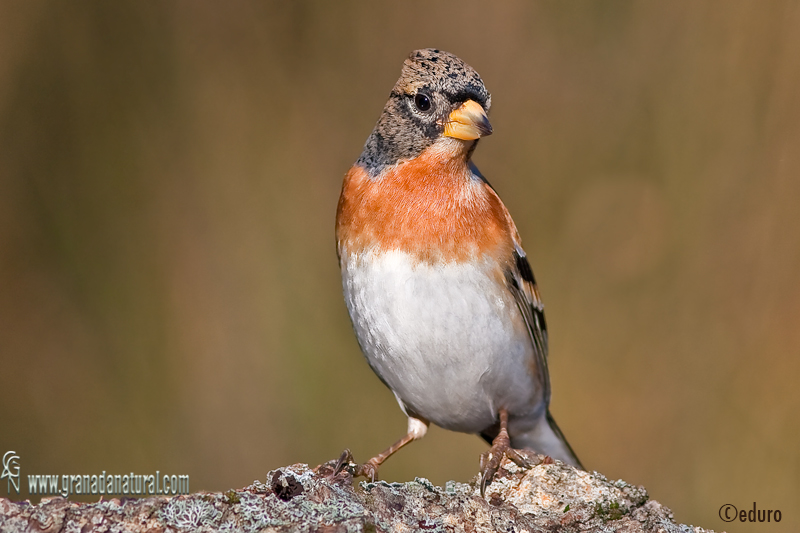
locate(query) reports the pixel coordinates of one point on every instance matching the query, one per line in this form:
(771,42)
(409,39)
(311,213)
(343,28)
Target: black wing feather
(523,286)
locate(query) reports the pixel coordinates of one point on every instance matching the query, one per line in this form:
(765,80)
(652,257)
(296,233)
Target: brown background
(169,292)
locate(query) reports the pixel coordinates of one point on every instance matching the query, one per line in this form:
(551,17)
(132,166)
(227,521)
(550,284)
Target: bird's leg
(416,430)
(501,446)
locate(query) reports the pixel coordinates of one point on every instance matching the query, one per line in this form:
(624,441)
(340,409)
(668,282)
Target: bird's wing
(522,285)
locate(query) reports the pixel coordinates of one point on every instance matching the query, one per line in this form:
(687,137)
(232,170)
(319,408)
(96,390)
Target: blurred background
(169,291)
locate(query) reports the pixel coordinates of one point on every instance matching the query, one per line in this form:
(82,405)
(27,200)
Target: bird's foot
(491,459)
(368,470)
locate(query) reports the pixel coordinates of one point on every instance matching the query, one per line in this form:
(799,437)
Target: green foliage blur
(169,290)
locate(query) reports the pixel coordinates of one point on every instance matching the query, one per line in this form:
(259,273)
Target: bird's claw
(491,459)
(368,470)
(343,463)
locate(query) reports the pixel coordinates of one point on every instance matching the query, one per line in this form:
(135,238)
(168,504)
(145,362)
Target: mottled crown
(402,132)
(440,71)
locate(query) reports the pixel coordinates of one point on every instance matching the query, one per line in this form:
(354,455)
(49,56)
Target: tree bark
(544,498)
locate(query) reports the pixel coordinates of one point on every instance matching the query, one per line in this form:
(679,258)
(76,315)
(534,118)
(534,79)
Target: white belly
(448,339)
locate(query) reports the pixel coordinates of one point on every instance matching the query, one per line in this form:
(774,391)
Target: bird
(439,290)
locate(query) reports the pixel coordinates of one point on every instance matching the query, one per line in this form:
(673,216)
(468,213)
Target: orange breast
(429,208)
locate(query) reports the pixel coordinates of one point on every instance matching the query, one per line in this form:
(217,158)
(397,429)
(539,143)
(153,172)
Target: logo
(11,470)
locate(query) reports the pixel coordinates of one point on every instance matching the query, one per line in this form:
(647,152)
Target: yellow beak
(468,122)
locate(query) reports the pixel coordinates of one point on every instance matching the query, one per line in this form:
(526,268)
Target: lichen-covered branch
(547,497)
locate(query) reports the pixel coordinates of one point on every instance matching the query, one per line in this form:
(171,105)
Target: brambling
(439,290)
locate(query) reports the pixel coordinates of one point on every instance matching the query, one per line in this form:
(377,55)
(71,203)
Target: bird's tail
(546,438)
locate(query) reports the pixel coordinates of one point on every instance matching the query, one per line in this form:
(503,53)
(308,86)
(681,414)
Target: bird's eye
(423,102)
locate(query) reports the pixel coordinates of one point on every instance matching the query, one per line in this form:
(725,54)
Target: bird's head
(438,99)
